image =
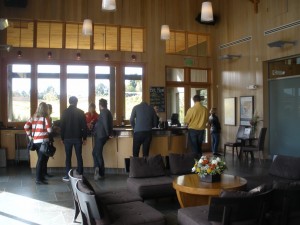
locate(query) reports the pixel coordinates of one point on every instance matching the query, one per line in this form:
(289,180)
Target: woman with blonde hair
(38,128)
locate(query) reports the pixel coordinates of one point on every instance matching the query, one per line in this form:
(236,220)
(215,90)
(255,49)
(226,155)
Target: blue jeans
(195,139)
(215,139)
(77,143)
(98,154)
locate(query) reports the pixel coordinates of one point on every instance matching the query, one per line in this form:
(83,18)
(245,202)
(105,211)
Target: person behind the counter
(156,109)
(142,119)
(91,118)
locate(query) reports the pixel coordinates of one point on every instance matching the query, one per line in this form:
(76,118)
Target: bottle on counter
(123,121)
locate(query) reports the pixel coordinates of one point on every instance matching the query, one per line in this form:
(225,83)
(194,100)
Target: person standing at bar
(103,131)
(38,128)
(196,119)
(142,119)
(215,130)
(73,133)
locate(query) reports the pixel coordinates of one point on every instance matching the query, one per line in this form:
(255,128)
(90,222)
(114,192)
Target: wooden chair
(237,144)
(259,147)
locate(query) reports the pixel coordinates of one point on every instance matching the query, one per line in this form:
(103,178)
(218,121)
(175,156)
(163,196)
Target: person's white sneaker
(66,179)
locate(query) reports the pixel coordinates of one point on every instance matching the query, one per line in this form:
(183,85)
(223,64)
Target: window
(175,101)
(133,88)
(78,85)
(182,84)
(18,92)
(48,87)
(132,39)
(104,86)
(20,33)
(185,43)
(74,37)
(49,35)
(175,74)
(105,37)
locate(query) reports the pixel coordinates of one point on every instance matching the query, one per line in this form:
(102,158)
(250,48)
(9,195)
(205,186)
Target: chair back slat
(261,138)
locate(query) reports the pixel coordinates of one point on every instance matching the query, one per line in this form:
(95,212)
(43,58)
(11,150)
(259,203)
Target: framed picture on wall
(246,109)
(229,111)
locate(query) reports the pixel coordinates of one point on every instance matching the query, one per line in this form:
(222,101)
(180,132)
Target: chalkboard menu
(157,97)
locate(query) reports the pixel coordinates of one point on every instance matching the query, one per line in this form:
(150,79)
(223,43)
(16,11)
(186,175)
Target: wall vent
(236,42)
(283,27)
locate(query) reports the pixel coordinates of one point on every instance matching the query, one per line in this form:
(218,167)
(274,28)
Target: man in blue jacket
(103,131)
(142,119)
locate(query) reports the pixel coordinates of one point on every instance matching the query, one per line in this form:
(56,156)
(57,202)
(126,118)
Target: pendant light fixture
(165,29)
(87,27)
(109,5)
(207,12)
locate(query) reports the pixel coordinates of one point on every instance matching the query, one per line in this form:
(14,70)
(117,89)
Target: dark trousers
(44,170)
(77,143)
(40,164)
(215,139)
(98,154)
(141,138)
(195,139)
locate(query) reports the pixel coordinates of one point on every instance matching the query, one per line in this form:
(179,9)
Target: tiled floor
(22,202)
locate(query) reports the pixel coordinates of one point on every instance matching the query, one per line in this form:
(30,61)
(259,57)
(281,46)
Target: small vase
(211,178)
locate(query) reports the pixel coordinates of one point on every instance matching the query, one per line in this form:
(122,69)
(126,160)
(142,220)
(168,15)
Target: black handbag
(47,148)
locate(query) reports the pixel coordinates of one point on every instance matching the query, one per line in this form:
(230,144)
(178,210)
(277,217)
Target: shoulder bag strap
(32,133)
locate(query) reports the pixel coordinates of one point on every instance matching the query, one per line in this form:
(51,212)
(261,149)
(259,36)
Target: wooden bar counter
(118,148)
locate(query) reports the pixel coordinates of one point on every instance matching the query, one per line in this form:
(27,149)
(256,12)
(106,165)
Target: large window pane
(175,74)
(104,86)
(18,92)
(133,88)
(78,85)
(49,35)
(175,102)
(74,37)
(199,75)
(48,87)
(20,33)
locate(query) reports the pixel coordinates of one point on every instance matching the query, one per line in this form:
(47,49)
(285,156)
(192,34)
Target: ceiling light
(229,56)
(3,23)
(87,28)
(207,12)
(109,5)
(280,44)
(165,32)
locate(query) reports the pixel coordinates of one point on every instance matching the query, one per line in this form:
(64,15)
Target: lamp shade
(207,12)
(109,5)
(87,28)
(165,32)
(3,23)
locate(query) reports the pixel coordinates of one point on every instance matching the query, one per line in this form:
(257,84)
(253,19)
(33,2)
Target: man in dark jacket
(73,133)
(103,131)
(142,119)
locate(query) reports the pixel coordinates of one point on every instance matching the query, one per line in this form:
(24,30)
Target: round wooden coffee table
(191,191)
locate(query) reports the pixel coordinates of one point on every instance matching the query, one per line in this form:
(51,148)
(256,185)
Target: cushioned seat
(194,215)
(153,187)
(96,212)
(134,213)
(117,196)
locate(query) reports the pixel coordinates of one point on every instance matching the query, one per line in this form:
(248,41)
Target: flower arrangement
(254,120)
(209,166)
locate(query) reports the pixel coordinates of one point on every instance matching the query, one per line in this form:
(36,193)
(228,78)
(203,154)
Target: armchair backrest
(239,209)
(88,204)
